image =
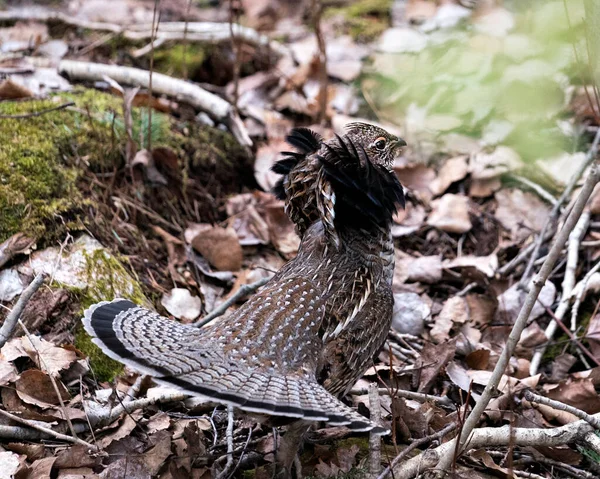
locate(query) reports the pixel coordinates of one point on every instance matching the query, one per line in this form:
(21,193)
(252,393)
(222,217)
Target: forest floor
(114,182)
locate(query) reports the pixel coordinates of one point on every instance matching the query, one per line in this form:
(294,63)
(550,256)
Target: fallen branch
(553,216)
(110,415)
(498,437)
(13,317)
(592,420)
(244,290)
(401,393)
(579,290)
(413,445)
(219,109)
(568,284)
(37,113)
(521,321)
(196,31)
(45,430)
(374,439)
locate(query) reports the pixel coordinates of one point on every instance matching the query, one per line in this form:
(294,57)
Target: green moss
(174,60)
(103,367)
(107,278)
(364,20)
(39,161)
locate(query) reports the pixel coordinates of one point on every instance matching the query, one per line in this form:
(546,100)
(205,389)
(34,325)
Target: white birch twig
(521,321)
(184,91)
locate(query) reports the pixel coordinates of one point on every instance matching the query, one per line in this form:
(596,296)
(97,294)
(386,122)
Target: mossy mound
(364,20)
(46,160)
(40,159)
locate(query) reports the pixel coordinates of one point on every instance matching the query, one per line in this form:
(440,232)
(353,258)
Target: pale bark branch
(521,321)
(13,317)
(184,91)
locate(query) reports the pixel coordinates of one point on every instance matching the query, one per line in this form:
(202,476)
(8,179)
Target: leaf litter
(466,218)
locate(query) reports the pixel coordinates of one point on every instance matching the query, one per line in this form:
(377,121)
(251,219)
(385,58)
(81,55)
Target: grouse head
(380,146)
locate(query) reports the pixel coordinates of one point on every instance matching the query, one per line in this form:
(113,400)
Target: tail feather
(184,357)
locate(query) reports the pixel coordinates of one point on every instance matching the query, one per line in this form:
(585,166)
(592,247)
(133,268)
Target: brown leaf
(48,357)
(244,218)
(281,230)
(221,247)
(455,310)
(346,457)
(478,359)
(433,359)
(32,451)
(9,90)
(8,372)
(18,243)
(579,393)
(481,308)
(144,159)
(155,457)
(453,169)
(484,188)
(424,269)
(521,212)
(450,213)
(76,456)
(417,179)
(40,469)
(35,387)
(484,166)
(486,264)
(408,220)
(593,336)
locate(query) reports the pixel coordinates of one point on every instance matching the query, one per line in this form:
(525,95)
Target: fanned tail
(184,357)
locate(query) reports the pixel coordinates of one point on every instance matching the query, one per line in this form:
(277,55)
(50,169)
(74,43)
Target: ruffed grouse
(311,332)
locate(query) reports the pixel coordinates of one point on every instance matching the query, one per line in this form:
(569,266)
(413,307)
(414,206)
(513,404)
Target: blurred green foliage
(507,87)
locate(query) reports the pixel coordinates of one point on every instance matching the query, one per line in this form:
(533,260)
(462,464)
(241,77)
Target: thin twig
(229,436)
(594,421)
(413,445)
(38,113)
(235,46)
(374,439)
(542,193)
(45,430)
(317,10)
(155,23)
(244,290)
(495,437)
(568,284)
(400,393)
(552,217)
(580,290)
(521,321)
(63,409)
(13,317)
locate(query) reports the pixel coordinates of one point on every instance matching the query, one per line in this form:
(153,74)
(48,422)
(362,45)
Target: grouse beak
(400,143)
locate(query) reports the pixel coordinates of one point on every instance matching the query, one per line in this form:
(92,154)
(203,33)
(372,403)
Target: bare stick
(244,290)
(498,437)
(401,393)
(579,291)
(590,156)
(521,321)
(37,113)
(154,31)
(210,32)
(13,317)
(413,445)
(374,439)
(542,193)
(317,9)
(229,435)
(187,92)
(575,238)
(45,430)
(594,421)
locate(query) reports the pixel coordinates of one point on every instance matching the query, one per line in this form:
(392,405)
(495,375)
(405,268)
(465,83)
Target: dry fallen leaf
(35,387)
(410,313)
(455,310)
(511,301)
(521,212)
(48,357)
(486,264)
(220,247)
(453,169)
(484,166)
(180,303)
(450,213)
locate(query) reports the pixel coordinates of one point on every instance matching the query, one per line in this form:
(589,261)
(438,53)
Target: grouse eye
(380,143)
